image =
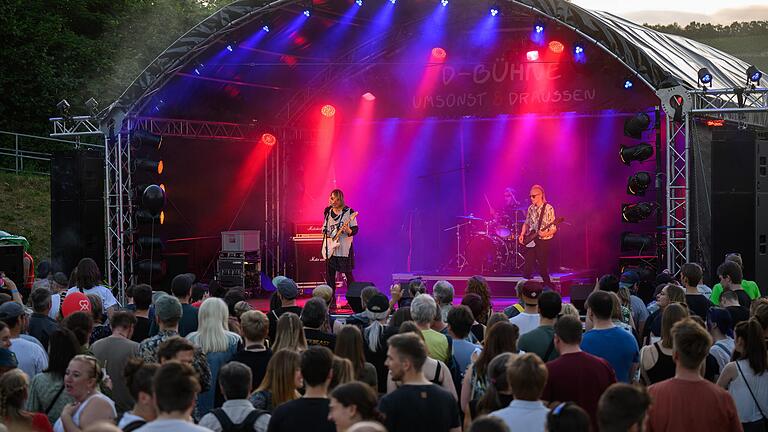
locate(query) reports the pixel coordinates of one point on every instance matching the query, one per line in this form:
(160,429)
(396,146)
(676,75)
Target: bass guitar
(331,243)
(533,235)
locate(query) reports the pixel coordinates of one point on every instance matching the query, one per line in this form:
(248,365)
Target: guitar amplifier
(310,264)
(309,230)
(240,241)
(240,269)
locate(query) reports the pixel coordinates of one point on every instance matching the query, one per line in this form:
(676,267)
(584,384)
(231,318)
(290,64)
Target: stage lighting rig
(92,105)
(63,108)
(638,153)
(753,76)
(704,78)
(637,212)
(636,125)
(638,183)
(636,242)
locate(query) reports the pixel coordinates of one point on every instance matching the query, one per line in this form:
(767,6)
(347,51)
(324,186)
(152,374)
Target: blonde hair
(569,309)
(540,189)
(212,335)
(324,292)
(343,372)
(290,333)
(255,325)
(14,386)
(280,377)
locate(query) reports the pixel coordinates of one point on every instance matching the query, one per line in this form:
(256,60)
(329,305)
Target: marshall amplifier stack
(310,265)
(239,262)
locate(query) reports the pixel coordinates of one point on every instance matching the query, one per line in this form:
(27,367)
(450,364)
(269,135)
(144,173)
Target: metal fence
(31,154)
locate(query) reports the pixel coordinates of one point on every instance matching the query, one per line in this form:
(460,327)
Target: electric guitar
(331,243)
(533,235)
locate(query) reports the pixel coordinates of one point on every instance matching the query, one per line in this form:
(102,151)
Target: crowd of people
(199,358)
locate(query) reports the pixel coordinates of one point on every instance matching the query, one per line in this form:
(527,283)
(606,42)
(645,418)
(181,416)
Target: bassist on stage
(339,255)
(540,215)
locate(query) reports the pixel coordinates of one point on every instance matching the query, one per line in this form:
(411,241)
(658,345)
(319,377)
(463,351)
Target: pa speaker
(354,291)
(12,263)
(579,294)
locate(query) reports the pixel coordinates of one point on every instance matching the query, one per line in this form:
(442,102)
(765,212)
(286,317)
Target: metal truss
(68,127)
(193,128)
(748,106)
(678,193)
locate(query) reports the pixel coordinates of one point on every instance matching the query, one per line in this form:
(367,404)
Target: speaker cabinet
(12,263)
(310,265)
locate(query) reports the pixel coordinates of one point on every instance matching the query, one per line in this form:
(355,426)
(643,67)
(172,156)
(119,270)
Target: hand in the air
(396,292)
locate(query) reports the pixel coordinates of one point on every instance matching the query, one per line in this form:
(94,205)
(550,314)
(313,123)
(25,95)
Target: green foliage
(696,30)
(26,210)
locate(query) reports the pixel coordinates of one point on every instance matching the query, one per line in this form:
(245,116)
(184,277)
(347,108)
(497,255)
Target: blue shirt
(462,351)
(616,346)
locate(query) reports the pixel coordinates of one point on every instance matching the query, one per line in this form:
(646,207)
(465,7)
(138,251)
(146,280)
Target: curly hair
(478,285)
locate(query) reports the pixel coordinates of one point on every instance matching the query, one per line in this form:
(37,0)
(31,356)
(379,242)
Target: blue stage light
(307,12)
(539,28)
(444,2)
(754,74)
(359,2)
(704,76)
(229,48)
(265,28)
(494,11)
(393,1)
(628,84)
(578,49)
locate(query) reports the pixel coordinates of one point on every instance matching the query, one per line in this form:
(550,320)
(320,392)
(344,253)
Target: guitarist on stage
(339,217)
(540,214)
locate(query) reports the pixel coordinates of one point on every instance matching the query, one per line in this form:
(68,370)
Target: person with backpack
(237,414)
(138,379)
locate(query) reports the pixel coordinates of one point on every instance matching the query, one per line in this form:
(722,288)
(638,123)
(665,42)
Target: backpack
(244,426)
(132,426)
(453,367)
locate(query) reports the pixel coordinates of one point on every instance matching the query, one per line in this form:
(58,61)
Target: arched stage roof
(650,56)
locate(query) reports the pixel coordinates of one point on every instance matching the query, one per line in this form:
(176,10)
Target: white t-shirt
(55,306)
(167,425)
(105,293)
(32,357)
(525,322)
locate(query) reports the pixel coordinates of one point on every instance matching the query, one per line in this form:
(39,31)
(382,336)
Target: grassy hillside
(25,209)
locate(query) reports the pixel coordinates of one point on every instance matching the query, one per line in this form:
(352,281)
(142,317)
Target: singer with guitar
(339,227)
(538,230)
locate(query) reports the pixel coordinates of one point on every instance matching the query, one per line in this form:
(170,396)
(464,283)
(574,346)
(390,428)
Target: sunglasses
(534,196)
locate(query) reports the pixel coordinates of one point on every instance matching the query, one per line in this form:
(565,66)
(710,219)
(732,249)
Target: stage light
(63,106)
(393,1)
(539,27)
(153,199)
(328,110)
(532,55)
(635,125)
(633,241)
(269,139)
(307,13)
(162,217)
(639,153)
(556,47)
(754,75)
(147,165)
(265,28)
(444,3)
(628,84)
(578,48)
(637,212)
(495,10)
(160,166)
(359,2)
(638,183)
(162,186)
(92,105)
(716,122)
(142,137)
(229,48)
(439,53)
(704,76)
(369,96)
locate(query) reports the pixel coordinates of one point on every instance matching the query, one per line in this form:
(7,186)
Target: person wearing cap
(31,356)
(375,336)
(529,318)
(287,291)
(181,288)
(58,284)
(630,280)
(361,319)
(168,312)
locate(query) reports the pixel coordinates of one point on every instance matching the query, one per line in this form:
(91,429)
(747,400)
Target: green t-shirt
(538,341)
(750,287)
(437,344)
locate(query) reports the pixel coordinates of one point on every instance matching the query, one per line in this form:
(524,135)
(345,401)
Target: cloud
(723,16)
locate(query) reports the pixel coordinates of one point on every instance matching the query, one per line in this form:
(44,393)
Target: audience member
(417,405)
(607,341)
(234,297)
(669,294)
(691,275)
(218,344)
(528,319)
(287,291)
(569,309)
(82,380)
(349,345)
(88,281)
(281,381)
(142,300)
(114,352)
(81,324)
(443,292)
(630,280)
(314,317)
(237,413)
(688,401)
(352,403)
(435,370)
(181,288)
(475,303)
(40,324)
(720,326)
(309,412)
(656,363)
(58,284)
(75,302)
(498,394)
(622,408)
(289,333)
(513,310)
(31,355)
(459,323)
(359,319)
(423,311)
(256,354)
(478,285)
(375,337)
(488,424)
(14,388)
(175,387)
(8,360)
(731,279)
(527,376)
(541,340)
(341,372)
(200,292)
(101,328)
(749,286)
(46,391)
(497,317)
(332,325)
(730,301)
(568,417)
(576,376)
(138,379)
(176,348)
(746,378)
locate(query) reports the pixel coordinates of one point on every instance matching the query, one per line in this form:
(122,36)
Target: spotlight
(141,164)
(633,241)
(634,213)
(705,77)
(269,139)
(753,75)
(393,1)
(439,53)
(628,84)
(229,48)
(328,110)
(532,55)
(444,3)
(556,47)
(495,10)
(307,12)
(369,96)
(153,199)
(266,28)
(578,48)
(638,183)
(359,2)
(92,106)
(634,126)
(63,108)
(539,27)
(639,153)
(162,217)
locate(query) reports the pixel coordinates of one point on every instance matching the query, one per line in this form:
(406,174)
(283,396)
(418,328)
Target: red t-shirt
(579,378)
(40,423)
(680,405)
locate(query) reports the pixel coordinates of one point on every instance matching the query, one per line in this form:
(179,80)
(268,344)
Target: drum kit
(489,246)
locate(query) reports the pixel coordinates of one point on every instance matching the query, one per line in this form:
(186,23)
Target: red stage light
(532,55)
(439,53)
(369,96)
(328,110)
(716,123)
(269,139)
(556,47)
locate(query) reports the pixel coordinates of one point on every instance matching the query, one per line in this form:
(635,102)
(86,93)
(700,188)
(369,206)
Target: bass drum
(487,254)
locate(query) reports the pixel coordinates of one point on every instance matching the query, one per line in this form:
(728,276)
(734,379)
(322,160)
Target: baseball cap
(531,289)
(378,303)
(288,288)
(629,278)
(168,308)
(11,309)
(8,358)
(75,302)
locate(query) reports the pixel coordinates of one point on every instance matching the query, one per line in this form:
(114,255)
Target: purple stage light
(532,55)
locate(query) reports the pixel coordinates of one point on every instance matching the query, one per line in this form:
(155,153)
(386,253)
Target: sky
(682,11)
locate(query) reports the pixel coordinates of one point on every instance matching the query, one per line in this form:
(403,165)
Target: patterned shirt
(532,218)
(148,352)
(333,223)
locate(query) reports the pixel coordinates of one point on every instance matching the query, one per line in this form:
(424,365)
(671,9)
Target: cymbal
(470,217)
